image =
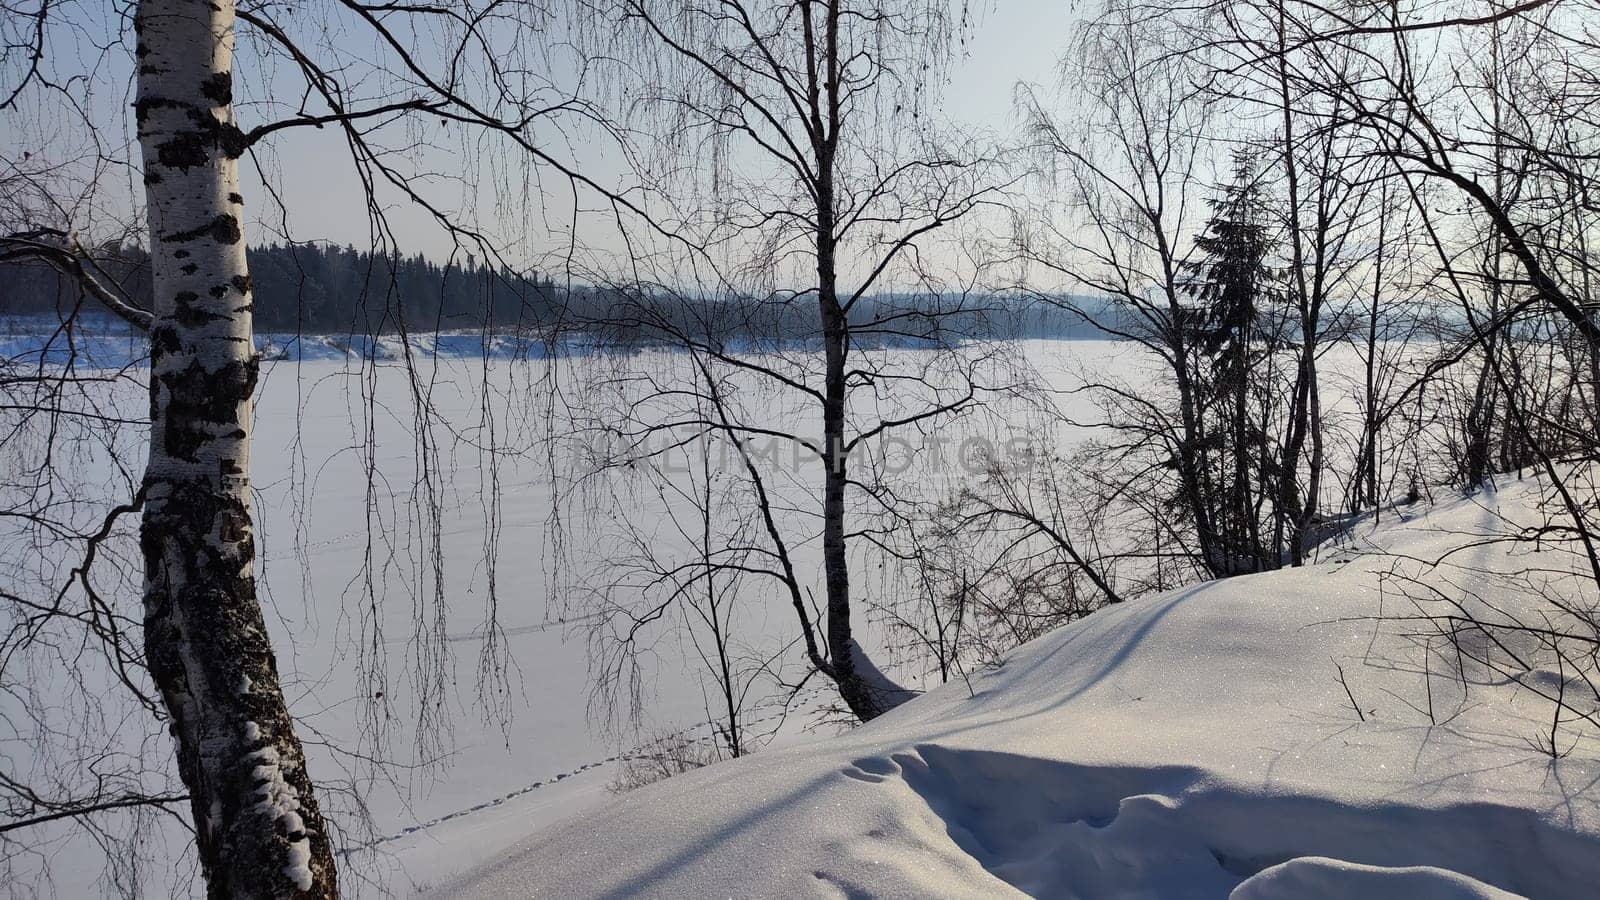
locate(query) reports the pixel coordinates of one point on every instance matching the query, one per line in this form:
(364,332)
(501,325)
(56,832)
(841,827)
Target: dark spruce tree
(1235,325)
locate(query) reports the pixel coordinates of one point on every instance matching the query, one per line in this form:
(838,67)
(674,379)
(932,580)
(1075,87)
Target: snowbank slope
(1194,744)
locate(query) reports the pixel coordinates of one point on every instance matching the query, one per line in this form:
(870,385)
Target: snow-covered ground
(1190,744)
(551,755)
(334,468)
(1176,745)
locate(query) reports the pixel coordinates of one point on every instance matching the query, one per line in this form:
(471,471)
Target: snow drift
(1198,743)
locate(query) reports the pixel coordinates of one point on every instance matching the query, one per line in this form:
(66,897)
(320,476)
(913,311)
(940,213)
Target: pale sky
(1015,40)
(310,170)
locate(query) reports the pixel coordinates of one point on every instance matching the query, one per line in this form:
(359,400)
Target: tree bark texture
(257,826)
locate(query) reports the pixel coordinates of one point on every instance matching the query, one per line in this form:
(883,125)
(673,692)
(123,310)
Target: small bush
(662,757)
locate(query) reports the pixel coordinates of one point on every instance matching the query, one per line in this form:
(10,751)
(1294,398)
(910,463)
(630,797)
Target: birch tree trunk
(257,825)
(865,689)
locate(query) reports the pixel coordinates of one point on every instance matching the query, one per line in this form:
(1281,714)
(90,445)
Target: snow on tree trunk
(257,825)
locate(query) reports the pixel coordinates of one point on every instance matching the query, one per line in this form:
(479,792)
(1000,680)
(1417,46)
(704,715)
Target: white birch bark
(257,825)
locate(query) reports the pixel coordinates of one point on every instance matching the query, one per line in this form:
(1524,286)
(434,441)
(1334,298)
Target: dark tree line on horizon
(319,288)
(334,290)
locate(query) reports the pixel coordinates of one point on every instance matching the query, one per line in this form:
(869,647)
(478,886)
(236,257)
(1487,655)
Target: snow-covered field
(1178,746)
(548,754)
(1185,745)
(343,520)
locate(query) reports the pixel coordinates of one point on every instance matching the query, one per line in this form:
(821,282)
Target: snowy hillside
(1196,744)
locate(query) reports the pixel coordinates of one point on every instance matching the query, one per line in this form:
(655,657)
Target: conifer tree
(1235,287)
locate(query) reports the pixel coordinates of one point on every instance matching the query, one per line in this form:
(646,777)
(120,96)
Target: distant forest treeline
(324,289)
(319,289)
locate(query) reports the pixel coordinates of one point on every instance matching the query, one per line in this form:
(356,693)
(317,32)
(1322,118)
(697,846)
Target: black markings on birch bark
(258,827)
